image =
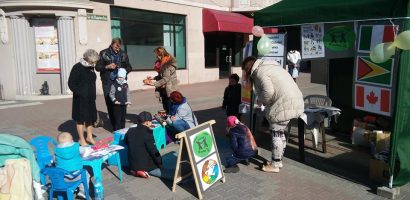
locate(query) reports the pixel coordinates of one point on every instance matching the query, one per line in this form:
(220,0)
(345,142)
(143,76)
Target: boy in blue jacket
(242,143)
(67,155)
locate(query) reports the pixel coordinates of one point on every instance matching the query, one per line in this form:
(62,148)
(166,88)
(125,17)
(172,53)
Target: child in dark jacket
(232,97)
(120,96)
(143,156)
(242,143)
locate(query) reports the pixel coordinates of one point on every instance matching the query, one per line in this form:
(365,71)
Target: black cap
(145,116)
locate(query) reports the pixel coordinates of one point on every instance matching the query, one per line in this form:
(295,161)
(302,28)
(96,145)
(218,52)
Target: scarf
(85,63)
(174,107)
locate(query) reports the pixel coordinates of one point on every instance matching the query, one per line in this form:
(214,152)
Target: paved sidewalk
(318,179)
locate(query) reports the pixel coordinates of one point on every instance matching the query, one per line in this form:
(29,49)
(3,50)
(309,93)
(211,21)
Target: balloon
(264,45)
(382,52)
(402,40)
(257,31)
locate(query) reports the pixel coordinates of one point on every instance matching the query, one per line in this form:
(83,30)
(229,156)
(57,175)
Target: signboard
(47,54)
(278,48)
(373,99)
(198,144)
(312,41)
(97,17)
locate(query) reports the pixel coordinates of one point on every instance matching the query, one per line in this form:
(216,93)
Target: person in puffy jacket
(282,98)
(68,157)
(242,143)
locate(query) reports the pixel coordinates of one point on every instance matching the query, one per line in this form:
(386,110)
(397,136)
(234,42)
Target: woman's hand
(173,118)
(150,78)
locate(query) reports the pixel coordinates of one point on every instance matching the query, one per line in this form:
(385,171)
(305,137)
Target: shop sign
(339,38)
(97,17)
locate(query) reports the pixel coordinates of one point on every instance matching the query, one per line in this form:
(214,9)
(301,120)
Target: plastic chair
(43,156)
(58,184)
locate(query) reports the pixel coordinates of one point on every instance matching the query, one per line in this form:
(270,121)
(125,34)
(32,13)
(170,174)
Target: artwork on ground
(210,171)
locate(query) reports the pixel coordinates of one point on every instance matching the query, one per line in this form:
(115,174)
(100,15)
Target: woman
(82,84)
(182,117)
(166,81)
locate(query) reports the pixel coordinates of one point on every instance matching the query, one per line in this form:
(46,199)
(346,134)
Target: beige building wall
(7,66)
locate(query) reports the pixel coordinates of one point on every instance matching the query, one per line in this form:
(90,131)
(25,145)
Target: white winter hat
(122,73)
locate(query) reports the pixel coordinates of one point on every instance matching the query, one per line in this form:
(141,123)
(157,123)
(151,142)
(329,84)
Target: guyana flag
(374,73)
(370,36)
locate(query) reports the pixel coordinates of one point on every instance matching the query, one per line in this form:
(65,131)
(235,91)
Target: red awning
(215,20)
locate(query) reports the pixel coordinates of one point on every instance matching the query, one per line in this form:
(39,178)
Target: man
(276,89)
(111,59)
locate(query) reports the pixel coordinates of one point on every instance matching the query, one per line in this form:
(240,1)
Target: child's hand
(117,102)
(128,103)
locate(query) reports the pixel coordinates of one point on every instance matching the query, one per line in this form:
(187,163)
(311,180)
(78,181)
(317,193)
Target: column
(66,48)
(24,54)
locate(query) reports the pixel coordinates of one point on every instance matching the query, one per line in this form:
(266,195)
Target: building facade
(41,39)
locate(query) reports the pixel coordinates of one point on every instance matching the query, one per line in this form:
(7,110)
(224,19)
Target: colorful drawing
(374,73)
(312,41)
(202,144)
(339,38)
(373,99)
(210,171)
(370,36)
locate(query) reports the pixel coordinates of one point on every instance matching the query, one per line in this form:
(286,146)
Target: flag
(374,73)
(370,36)
(373,99)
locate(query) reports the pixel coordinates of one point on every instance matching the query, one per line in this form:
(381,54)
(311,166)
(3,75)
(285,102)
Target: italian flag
(370,36)
(373,99)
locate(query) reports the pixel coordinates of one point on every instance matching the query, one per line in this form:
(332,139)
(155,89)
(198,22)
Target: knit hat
(232,121)
(176,97)
(122,73)
(145,116)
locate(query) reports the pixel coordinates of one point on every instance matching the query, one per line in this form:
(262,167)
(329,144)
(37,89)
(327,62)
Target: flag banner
(374,73)
(373,99)
(370,36)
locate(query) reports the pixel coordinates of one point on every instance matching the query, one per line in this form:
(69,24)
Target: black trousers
(110,110)
(119,115)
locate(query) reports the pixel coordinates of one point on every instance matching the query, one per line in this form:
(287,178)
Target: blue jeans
(167,174)
(180,125)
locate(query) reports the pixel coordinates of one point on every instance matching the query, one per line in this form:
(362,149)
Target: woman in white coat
(276,89)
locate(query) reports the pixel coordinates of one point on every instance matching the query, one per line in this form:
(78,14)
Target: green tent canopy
(296,12)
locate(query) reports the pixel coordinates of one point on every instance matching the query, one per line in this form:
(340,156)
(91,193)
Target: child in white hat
(120,96)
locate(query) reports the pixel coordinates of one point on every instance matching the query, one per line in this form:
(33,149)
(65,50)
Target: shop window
(142,31)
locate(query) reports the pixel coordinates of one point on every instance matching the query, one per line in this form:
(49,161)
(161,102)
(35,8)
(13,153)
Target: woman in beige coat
(276,89)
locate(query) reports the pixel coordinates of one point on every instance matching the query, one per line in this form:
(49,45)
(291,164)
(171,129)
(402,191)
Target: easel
(183,150)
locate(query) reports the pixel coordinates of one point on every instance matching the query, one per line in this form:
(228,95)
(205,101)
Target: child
(232,97)
(242,144)
(143,156)
(67,154)
(120,96)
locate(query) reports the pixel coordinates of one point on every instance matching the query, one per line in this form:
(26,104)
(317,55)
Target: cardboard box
(381,140)
(378,171)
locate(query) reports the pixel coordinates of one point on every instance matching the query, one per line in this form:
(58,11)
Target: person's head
(91,56)
(145,118)
(232,121)
(121,75)
(247,65)
(116,44)
(160,52)
(176,97)
(233,79)
(64,137)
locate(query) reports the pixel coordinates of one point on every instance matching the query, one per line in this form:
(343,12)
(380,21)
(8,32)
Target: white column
(66,48)
(82,26)
(4,33)
(24,54)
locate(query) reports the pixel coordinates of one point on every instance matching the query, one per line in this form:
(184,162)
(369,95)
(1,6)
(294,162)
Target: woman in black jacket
(82,83)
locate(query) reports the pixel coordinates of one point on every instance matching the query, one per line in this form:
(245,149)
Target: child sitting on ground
(120,96)
(242,143)
(232,97)
(143,156)
(67,155)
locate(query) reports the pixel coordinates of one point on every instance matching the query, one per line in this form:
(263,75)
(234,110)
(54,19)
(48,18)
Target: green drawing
(339,38)
(202,144)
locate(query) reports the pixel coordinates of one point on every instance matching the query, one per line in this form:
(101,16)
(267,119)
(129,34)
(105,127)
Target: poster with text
(278,42)
(373,99)
(202,144)
(209,171)
(46,46)
(312,41)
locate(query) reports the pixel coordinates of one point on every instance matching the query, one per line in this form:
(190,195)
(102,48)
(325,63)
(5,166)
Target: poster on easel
(198,148)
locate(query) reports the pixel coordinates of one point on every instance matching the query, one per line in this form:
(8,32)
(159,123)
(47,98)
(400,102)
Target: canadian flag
(373,99)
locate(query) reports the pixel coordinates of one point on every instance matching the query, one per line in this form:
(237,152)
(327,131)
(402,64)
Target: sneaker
(233,169)
(270,168)
(142,174)
(280,165)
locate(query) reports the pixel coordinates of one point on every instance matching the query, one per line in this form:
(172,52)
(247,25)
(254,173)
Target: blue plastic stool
(43,156)
(58,184)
